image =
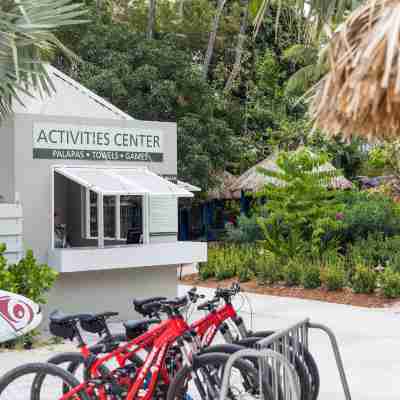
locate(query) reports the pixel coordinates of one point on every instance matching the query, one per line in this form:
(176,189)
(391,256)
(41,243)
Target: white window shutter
(163,215)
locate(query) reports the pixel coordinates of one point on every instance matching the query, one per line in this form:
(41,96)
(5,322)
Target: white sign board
(79,142)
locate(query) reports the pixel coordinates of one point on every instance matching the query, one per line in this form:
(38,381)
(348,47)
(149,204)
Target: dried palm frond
(361,93)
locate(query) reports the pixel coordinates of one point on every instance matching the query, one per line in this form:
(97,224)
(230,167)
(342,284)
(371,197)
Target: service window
(130,215)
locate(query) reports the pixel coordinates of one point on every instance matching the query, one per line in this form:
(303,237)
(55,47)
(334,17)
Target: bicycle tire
(74,360)
(177,388)
(42,368)
(309,361)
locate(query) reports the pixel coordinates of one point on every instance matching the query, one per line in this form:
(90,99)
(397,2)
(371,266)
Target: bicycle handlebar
(227,293)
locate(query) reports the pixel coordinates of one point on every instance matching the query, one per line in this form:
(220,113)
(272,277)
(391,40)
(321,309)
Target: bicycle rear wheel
(17,383)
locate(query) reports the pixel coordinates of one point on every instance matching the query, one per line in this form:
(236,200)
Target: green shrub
(370,213)
(269,269)
(293,273)
(333,277)
(27,278)
(390,283)
(206,271)
(246,268)
(364,280)
(32,280)
(7,281)
(224,271)
(376,250)
(312,276)
(246,231)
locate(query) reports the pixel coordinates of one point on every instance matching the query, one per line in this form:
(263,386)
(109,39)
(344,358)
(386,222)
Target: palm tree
(239,46)
(27,38)
(213,36)
(319,12)
(151,19)
(313,65)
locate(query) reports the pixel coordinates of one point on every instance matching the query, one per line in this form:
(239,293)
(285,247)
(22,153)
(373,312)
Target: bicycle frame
(207,327)
(160,338)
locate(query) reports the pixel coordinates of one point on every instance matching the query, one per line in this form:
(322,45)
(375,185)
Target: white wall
(112,290)
(7,176)
(11,231)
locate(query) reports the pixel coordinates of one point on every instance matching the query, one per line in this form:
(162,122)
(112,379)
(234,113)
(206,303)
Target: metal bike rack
(273,368)
(277,355)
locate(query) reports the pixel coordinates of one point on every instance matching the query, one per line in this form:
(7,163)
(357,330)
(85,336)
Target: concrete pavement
(369,341)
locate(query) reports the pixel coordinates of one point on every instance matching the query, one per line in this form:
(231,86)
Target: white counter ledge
(79,259)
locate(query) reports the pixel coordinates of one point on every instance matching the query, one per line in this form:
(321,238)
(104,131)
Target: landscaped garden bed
(304,239)
(345,296)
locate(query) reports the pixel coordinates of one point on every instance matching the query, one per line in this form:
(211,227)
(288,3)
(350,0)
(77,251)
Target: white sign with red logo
(18,315)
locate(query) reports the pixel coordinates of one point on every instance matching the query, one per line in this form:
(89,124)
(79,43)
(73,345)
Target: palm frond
(301,54)
(27,32)
(302,80)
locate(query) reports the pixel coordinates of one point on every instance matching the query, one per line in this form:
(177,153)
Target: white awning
(113,181)
(188,186)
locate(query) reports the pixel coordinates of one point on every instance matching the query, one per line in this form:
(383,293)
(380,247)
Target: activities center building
(99,196)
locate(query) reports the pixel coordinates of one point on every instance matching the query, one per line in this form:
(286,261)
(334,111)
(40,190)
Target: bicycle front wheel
(17,383)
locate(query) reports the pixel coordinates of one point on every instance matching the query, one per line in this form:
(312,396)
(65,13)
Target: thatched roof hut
(361,93)
(222,190)
(253,180)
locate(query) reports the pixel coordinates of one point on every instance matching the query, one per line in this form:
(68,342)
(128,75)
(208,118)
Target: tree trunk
(239,46)
(151,18)
(213,35)
(181,4)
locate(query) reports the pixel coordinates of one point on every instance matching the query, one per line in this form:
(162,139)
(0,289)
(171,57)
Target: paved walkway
(369,341)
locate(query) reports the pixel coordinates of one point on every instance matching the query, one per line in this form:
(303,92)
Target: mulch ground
(345,296)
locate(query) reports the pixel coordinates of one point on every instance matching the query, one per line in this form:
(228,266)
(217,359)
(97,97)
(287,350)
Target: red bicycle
(199,373)
(205,328)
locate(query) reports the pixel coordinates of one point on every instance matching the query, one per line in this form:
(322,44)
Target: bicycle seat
(136,327)
(59,317)
(140,305)
(176,302)
(106,314)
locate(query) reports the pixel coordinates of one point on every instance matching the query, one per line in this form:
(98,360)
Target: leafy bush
(7,281)
(246,269)
(293,273)
(268,268)
(369,213)
(364,280)
(224,271)
(312,276)
(376,250)
(27,278)
(228,261)
(390,283)
(333,277)
(206,271)
(246,231)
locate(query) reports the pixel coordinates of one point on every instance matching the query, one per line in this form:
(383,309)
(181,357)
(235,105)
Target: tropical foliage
(27,38)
